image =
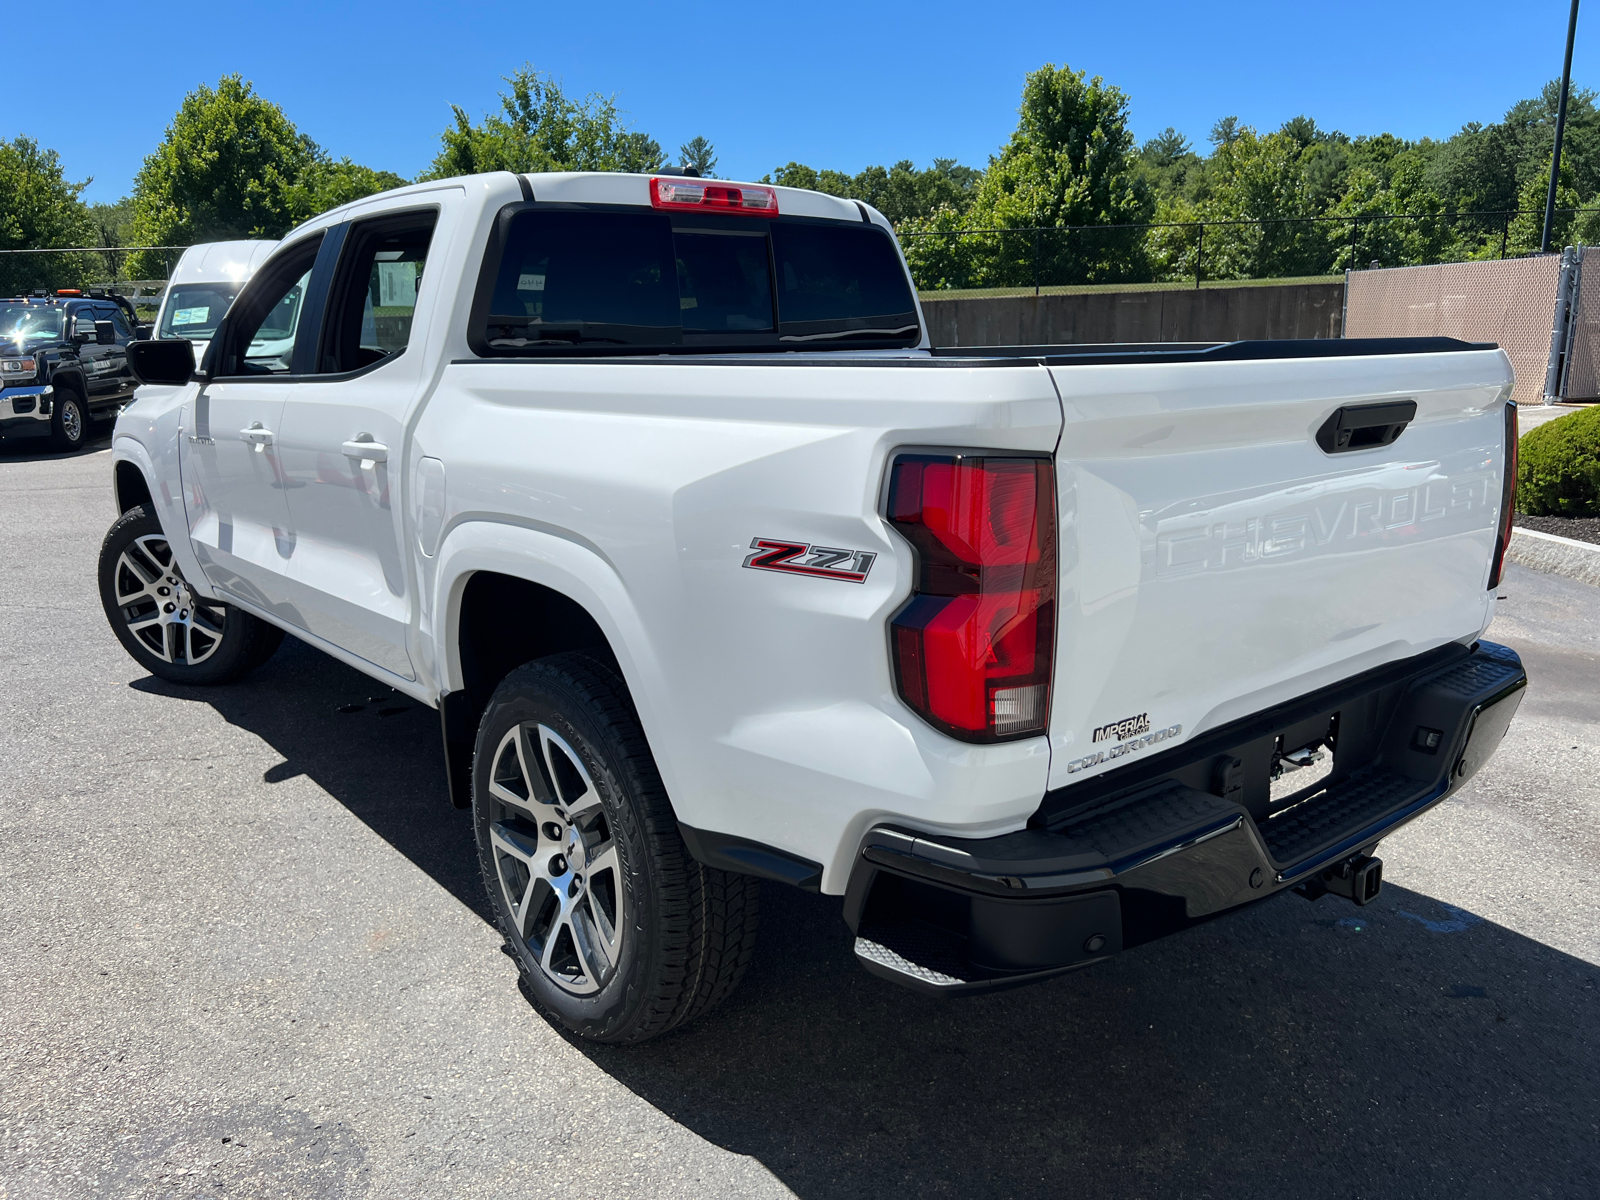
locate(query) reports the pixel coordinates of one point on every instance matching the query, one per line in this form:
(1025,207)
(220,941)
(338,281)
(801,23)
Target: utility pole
(1561,128)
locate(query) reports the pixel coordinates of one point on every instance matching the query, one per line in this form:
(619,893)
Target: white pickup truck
(717,572)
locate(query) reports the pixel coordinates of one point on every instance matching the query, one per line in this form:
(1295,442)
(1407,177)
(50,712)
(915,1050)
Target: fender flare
(168,510)
(74,378)
(566,564)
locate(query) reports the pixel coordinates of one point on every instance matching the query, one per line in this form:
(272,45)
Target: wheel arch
(130,486)
(563,595)
(73,379)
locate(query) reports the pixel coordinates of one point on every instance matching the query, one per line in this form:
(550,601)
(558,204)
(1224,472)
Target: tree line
(1297,200)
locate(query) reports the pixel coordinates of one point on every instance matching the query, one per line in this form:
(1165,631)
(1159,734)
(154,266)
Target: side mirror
(144,332)
(168,361)
(105,333)
(82,330)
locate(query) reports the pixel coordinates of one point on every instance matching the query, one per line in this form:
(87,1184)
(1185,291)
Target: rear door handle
(363,447)
(262,438)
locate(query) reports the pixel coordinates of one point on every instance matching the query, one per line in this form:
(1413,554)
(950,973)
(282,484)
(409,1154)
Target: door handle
(261,438)
(364,448)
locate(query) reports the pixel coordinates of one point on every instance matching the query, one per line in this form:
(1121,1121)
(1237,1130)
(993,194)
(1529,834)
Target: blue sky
(830,84)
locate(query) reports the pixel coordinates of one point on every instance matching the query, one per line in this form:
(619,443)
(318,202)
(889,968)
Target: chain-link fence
(25,271)
(1512,303)
(1200,253)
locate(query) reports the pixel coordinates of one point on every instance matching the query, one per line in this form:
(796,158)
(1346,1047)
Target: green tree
(39,209)
(1071,161)
(1253,190)
(900,193)
(1225,130)
(233,165)
(1526,231)
(325,184)
(540,128)
(225,169)
(698,155)
(1425,237)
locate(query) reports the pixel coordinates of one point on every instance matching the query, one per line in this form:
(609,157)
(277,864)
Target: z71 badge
(798,558)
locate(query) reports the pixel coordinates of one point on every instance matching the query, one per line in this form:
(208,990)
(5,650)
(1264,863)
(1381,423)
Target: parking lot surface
(244,953)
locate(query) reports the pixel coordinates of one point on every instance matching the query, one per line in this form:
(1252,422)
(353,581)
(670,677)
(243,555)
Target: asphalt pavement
(243,952)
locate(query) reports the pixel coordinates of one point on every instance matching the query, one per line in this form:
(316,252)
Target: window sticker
(192,316)
(397,284)
(530,283)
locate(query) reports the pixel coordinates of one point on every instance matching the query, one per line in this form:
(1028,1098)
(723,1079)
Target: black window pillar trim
(314,307)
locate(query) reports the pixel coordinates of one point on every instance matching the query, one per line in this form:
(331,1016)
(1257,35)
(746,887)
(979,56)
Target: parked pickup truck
(717,572)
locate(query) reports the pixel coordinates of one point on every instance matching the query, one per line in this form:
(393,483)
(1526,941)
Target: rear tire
(69,422)
(168,629)
(620,933)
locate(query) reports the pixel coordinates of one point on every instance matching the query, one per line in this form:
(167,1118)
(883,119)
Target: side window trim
(314,308)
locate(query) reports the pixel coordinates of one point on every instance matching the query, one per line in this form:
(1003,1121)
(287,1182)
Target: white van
(203,284)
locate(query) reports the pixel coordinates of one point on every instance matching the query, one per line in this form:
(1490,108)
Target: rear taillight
(973,646)
(1508,498)
(704,195)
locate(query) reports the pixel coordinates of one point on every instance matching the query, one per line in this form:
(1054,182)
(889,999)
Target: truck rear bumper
(951,915)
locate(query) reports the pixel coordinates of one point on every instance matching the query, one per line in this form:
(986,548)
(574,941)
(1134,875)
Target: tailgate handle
(1365,426)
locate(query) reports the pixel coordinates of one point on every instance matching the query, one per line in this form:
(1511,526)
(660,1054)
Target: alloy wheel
(167,617)
(71,420)
(556,859)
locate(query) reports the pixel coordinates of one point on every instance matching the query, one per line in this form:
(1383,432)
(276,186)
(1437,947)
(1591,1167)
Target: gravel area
(1581,529)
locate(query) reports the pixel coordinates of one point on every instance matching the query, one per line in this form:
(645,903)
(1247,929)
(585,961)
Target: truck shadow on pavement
(1404,1049)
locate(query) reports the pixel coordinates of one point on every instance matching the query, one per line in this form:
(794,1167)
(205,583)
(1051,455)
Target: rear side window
(583,278)
(602,281)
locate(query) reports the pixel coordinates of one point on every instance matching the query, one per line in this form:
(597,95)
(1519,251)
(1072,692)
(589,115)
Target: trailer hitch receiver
(1357,879)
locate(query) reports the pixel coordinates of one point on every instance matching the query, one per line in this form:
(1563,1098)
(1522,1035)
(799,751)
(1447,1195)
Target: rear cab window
(564,279)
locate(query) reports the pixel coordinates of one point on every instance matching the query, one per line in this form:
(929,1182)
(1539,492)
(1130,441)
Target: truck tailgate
(1216,561)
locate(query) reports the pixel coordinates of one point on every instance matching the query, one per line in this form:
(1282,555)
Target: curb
(1555,555)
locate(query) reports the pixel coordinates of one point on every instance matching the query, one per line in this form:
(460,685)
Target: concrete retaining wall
(1211,314)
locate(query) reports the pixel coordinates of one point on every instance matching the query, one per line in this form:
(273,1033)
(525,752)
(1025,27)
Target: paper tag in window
(530,283)
(397,284)
(191,316)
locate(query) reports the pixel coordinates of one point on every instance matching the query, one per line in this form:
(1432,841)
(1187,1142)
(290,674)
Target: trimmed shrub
(1558,467)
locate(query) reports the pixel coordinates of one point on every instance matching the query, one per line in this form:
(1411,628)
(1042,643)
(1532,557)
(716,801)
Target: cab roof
(609,187)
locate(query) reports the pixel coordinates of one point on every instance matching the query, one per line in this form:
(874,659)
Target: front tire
(69,423)
(169,629)
(621,935)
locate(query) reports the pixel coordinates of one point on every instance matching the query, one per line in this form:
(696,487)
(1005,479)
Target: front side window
(265,322)
(119,325)
(374,298)
(608,282)
(195,310)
